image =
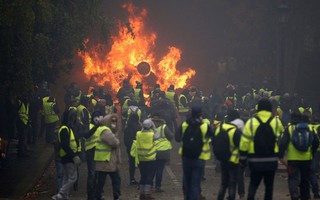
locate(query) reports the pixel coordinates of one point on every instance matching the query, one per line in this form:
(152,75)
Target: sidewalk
(19,175)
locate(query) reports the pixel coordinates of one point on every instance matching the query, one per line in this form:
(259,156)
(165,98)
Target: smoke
(190,26)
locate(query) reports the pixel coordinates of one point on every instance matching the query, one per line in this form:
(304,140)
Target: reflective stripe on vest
(80,115)
(293,153)
(73,143)
(102,151)
(183,109)
(24,112)
(206,152)
(234,158)
(92,140)
(162,144)
(145,146)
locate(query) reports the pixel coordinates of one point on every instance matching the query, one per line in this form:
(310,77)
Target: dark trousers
(298,176)
(132,167)
(147,169)
(159,167)
(50,132)
(21,128)
(229,172)
(116,182)
(192,171)
(314,172)
(91,174)
(240,182)
(255,179)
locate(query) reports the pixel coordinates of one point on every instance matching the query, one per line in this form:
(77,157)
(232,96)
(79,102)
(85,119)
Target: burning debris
(132,57)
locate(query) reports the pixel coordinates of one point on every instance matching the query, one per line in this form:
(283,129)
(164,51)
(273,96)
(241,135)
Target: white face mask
(113,126)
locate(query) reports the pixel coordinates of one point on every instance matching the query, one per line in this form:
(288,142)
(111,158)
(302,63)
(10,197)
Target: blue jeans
(192,173)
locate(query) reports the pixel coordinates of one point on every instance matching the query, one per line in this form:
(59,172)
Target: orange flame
(130,46)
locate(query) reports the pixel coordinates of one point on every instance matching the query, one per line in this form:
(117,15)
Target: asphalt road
(172,182)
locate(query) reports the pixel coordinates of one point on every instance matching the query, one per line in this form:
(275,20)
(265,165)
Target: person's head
(51,99)
(96,117)
(193,91)
(295,118)
(264,104)
(171,88)
(196,111)
(232,115)
(139,85)
(126,82)
(114,122)
(74,101)
(147,125)
(156,86)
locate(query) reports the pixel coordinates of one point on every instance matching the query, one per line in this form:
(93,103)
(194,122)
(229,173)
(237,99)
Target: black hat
(96,114)
(265,104)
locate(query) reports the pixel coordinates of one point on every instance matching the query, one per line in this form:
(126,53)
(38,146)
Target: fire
(130,46)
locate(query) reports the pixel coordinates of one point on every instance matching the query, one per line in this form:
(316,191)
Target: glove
(76,160)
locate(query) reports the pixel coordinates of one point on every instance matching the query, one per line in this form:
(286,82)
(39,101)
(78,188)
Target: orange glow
(130,46)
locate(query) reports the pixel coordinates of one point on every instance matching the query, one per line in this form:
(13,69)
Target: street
(172,182)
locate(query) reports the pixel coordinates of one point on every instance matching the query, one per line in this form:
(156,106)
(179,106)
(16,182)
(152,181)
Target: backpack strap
(260,122)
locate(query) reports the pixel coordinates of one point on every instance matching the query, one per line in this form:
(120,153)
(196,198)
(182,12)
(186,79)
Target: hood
(133,108)
(107,121)
(239,123)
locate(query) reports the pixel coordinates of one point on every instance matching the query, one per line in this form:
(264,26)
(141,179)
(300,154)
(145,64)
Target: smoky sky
(208,31)
(196,27)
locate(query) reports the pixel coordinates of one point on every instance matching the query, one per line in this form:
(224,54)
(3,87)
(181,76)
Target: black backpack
(192,142)
(264,139)
(221,145)
(302,137)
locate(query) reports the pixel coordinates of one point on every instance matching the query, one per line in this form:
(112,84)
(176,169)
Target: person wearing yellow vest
(183,107)
(229,168)
(315,160)
(22,124)
(193,165)
(90,140)
(107,155)
(163,146)
(261,166)
(68,153)
(172,96)
(298,160)
(51,118)
(130,132)
(233,117)
(138,94)
(132,108)
(146,156)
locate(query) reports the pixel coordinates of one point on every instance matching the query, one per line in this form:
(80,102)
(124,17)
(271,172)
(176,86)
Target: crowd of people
(257,128)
